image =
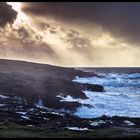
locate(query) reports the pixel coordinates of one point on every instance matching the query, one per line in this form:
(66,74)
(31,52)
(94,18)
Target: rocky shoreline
(17,111)
(29,98)
(33,82)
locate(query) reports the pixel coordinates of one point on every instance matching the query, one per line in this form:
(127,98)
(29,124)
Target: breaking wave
(113,80)
(121,96)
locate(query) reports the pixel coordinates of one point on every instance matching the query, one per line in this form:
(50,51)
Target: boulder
(92,87)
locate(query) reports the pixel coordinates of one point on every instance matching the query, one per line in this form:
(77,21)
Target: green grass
(16,131)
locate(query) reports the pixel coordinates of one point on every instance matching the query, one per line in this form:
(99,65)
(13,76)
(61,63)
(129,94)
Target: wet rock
(92,87)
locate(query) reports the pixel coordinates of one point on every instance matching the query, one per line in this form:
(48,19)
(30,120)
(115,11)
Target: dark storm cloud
(7,14)
(120,18)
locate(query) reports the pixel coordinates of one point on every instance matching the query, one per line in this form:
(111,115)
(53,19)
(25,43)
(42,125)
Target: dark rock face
(90,87)
(93,87)
(32,82)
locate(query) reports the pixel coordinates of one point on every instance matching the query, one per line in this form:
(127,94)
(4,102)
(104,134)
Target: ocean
(121,96)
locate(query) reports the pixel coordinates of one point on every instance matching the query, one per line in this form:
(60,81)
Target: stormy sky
(71,33)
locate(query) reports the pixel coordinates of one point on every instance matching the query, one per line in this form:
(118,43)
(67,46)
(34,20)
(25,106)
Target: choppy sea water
(121,96)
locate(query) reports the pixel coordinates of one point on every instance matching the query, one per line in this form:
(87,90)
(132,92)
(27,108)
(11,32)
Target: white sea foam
(23,113)
(128,123)
(105,104)
(4,97)
(25,117)
(68,98)
(97,123)
(112,80)
(77,129)
(121,96)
